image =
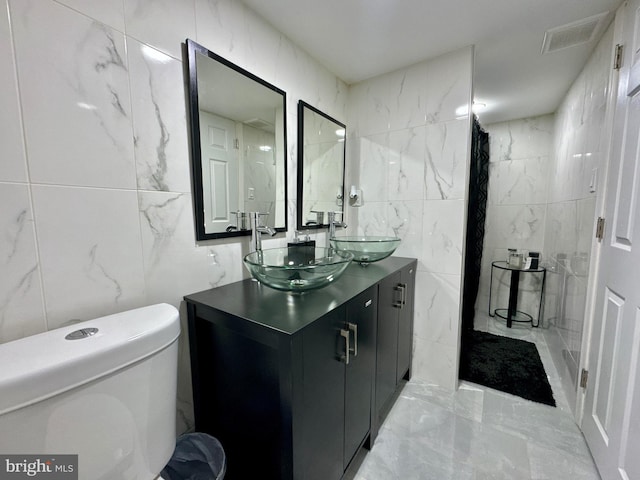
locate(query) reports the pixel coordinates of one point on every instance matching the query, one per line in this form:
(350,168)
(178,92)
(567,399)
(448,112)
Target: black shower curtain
(476,214)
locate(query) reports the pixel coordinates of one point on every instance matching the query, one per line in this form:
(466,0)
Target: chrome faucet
(333,224)
(257,229)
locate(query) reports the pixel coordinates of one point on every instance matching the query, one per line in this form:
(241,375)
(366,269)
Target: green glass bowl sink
(366,249)
(297,269)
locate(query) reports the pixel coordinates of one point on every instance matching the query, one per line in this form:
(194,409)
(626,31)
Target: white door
(219,171)
(611,422)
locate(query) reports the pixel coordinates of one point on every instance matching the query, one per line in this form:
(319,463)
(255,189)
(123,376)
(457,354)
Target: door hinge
(600,229)
(584,376)
(617,62)
(236,144)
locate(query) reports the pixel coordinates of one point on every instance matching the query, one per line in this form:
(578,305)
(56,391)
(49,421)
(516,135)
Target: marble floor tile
(479,433)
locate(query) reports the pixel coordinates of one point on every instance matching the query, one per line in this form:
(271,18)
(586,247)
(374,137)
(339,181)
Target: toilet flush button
(82,333)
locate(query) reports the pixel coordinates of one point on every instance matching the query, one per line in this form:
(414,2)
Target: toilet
(103,389)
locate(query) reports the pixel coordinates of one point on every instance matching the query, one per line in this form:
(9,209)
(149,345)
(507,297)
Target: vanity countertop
(286,312)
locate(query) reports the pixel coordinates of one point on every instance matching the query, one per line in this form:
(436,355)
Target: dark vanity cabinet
(338,370)
(287,382)
(395,334)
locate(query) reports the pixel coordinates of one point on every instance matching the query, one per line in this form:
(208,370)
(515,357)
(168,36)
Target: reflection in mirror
(321,157)
(238,146)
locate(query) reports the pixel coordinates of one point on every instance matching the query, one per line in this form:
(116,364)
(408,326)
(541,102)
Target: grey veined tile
(478,433)
(548,463)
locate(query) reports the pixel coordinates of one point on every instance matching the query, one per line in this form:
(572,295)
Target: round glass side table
(512,314)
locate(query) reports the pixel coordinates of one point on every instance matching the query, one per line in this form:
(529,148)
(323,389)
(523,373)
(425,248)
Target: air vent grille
(259,124)
(572,34)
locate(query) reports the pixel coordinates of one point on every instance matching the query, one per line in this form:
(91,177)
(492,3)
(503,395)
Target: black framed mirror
(238,146)
(321,164)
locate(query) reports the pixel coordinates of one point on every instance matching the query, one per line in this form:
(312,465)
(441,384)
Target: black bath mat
(506,364)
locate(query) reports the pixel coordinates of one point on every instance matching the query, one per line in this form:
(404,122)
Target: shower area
(542,190)
(506,212)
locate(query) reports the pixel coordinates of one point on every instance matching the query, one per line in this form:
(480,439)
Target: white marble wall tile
(585,230)
(597,80)
(560,233)
(219,24)
(174,266)
(406,162)
(436,363)
(292,170)
(520,139)
(448,85)
(13,165)
(90,251)
(407,97)
(82,78)
(405,222)
(162,24)
(581,162)
(21,305)
(492,187)
(437,307)
(374,167)
(261,44)
(499,138)
(109,12)
(442,234)
(574,103)
(372,103)
(519,182)
(559,173)
(373,219)
(159,123)
(515,226)
(445,176)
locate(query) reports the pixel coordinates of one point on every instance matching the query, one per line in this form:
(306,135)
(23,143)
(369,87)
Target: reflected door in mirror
(219,171)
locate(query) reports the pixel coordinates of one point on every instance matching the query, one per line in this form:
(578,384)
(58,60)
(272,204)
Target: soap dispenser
(301,251)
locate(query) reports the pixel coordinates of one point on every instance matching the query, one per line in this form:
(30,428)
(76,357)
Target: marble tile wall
(94,178)
(579,150)
(520,152)
(412,152)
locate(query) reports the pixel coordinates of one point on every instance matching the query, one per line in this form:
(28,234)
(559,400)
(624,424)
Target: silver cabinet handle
(354,328)
(404,293)
(398,303)
(345,334)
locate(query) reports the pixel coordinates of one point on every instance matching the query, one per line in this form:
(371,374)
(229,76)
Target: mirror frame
(192,49)
(302,105)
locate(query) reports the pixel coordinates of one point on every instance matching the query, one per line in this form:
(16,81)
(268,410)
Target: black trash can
(197,456)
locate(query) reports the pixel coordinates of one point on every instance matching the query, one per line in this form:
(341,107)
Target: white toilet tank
(109,397)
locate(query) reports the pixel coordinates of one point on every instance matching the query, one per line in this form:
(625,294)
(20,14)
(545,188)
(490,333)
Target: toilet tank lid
(37,367)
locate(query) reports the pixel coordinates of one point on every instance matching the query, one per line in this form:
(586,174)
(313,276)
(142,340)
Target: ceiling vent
(572,34)
(259,124)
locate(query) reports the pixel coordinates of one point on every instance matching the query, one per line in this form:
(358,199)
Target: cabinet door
(387,339)
(405,322)
(323,391)
(361,323)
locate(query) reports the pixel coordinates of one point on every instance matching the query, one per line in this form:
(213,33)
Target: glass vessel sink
(297,269)
(366,249)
